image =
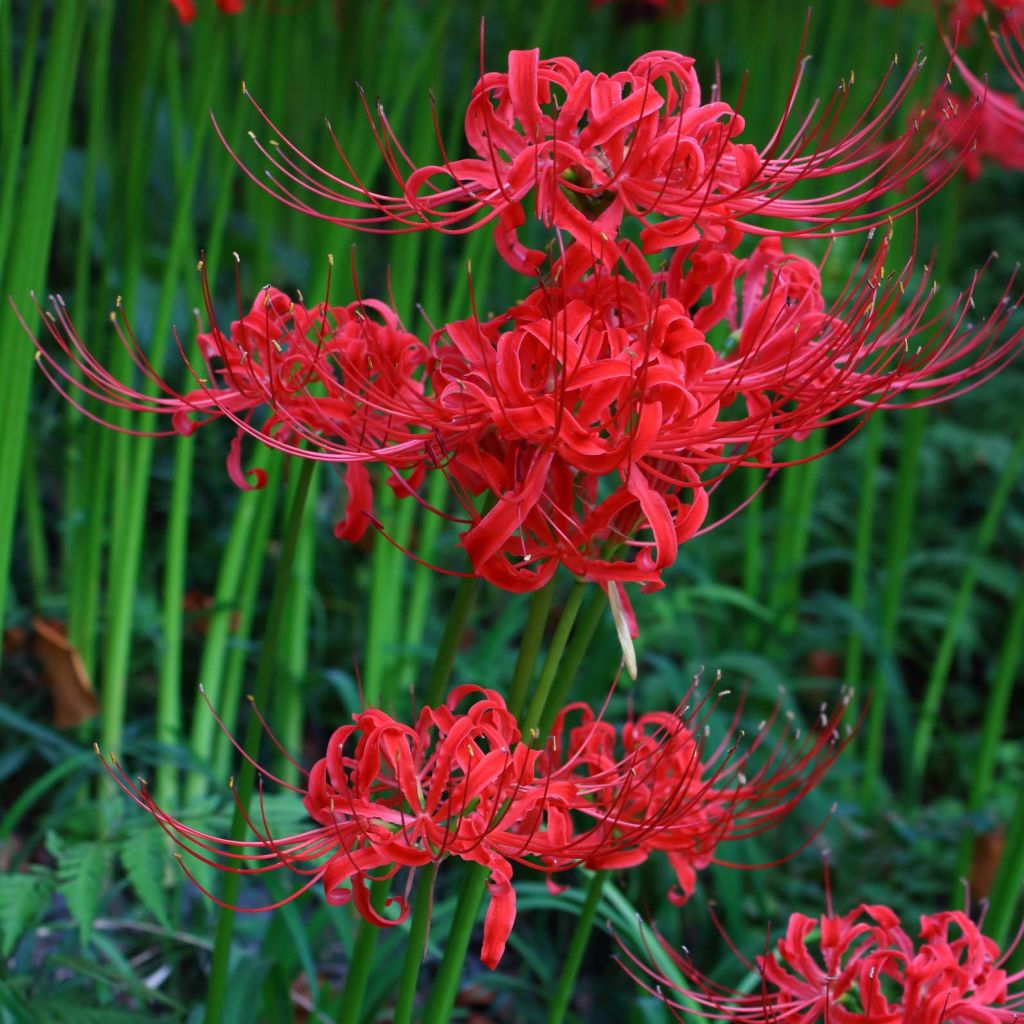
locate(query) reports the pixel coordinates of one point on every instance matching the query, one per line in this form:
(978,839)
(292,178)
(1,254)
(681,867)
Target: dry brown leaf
(988,851)
(74,700)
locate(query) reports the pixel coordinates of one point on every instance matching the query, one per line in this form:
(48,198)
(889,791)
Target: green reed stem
(448,648)
(416,946)
(529,646)
(548,674)
(993,728)
(360,966)
(901,522)
(570,665)
(446,985)
(577,946)
(262,693)
(33,227)
(939,676)
(474,879)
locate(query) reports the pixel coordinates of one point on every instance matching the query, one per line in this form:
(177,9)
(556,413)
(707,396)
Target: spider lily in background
(1000,135)
(859,968)
(595,150)
(461,782)
(587,425)
(186,9)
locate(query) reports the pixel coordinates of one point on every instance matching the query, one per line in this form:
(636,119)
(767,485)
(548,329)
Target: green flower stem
(33,227)
(570,664)
(993,727)
(262,692)
(474,880)
(359,968)
(929,711)
(548,674)
(448,648)
(529,646)
(415,948)
(446,984)
(577,946)
(901,527)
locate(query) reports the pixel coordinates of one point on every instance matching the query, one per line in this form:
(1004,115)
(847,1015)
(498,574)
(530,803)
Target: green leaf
(144,856)
(23,899)
(81,872)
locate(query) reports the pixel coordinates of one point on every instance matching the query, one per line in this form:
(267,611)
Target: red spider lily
(859,968)
(462,783)
(186,9)
(676,797)
(346,375)
(600,416)
(594,417)
(593,149)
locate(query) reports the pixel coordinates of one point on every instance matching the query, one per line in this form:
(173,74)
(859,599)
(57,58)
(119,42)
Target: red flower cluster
(463,783)
(187,8)
(592,150)
(595,416)
(866,970)
(586,425)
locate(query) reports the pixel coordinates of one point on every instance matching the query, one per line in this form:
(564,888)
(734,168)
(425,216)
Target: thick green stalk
(559,639)
(529,646)
(423,904)
(33,228)
(448,649)
(577,946)
(474,880)
(570,665)
(901,522)
(446,984)
(938,677)
(361,964)
(262,692)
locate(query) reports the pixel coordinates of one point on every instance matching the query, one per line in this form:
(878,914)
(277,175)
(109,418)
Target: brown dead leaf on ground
(74,700)
(988,851)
